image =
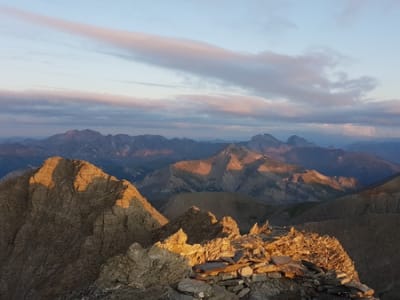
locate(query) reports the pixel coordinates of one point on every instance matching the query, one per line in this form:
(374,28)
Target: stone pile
(267,263)
(239,274)
(315,265)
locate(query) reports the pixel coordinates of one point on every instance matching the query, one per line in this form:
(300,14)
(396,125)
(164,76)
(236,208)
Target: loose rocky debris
(267,263)
(200,226)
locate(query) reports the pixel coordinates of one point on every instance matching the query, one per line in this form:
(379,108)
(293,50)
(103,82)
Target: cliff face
(61,222)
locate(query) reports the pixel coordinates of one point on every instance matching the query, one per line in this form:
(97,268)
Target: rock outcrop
(200,226)
(59,224)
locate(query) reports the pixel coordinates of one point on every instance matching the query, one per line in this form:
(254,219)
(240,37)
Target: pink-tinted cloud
(302,78)
(69,108)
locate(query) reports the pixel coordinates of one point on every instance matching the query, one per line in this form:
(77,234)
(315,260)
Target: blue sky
(202,69)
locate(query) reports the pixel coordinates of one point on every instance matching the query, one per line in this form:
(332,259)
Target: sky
(326,70)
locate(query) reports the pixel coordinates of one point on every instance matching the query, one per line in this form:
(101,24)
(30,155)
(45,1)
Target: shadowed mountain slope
(366,168)
(367,225)
(389,150)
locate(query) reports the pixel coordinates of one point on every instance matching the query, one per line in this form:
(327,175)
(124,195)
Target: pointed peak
(266,140)
(298,141)
(56,168)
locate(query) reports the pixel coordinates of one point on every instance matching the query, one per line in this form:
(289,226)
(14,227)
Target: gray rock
(243,292)
(281,260)
(195,287)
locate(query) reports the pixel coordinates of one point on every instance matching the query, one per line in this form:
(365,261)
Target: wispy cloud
(303,78)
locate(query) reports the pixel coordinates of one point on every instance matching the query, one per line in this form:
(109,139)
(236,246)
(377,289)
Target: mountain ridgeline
(124,156)
(237,169)
(134,157)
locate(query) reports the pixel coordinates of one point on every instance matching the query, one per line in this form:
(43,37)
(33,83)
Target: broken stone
(258,277)
(227,276)
(238,255)
(235,289)
(267,269)
(245,272)
(274,275)
(195,287)
(243,292)
(209,267)
(281,260)
(228,259)
(220,293)
(366,290)
(231,282)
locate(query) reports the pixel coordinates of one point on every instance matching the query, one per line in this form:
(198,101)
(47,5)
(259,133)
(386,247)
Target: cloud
(182,113)
(301,78)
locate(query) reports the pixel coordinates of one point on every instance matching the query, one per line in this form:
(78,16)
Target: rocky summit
(266,263)
(70,231)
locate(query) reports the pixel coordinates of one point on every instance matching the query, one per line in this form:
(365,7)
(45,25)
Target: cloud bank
(222,112)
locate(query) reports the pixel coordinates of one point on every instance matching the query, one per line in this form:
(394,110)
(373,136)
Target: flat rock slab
(281,260)
(195,287)
(243,292)
(209,267)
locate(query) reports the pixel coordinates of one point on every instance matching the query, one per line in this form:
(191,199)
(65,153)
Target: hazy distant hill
(366,168)
(367,224)
(122,155)
(389,150)
(240,170)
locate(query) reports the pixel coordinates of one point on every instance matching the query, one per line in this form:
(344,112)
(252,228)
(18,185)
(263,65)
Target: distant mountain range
(389,150)
(240,170)
(366,168)
(133,157)
(124,156)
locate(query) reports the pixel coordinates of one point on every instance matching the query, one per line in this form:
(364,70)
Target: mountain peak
(67,204)
(298,141)
(267,138)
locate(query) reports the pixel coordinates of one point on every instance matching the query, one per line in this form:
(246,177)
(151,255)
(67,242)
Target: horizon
(189,69)
(322,142)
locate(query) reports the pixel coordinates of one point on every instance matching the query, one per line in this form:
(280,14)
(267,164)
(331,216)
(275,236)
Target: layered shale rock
(61,222)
